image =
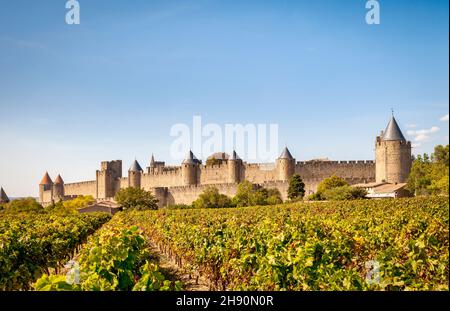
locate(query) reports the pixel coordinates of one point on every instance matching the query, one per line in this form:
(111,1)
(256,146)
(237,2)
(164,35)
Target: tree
(296,188)
(249,194)
(136,198)
(441,154)
(244,194)
(259,196)
(27,205)
(344,193)
(273,196)
(330,183)
(211,198)
(429,174)
(79,202)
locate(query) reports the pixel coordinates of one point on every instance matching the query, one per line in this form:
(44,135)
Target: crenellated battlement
(166,171)
(360,162)
(80,183)
(223,165)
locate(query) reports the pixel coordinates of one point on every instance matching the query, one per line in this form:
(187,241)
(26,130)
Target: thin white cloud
(431,130)
(411,126)
(444,118)
(422,135)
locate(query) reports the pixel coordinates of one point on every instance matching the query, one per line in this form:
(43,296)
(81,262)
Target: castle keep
(183,184)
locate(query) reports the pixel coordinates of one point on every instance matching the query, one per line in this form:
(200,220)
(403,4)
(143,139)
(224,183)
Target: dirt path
(174,272)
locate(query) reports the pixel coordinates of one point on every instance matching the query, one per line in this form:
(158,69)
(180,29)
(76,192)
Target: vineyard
(352,245)
(114,258)
(32,244)
(397,244)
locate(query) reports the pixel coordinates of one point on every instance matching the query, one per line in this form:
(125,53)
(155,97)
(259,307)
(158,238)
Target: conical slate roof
(286,154)
(190,158)
(46,180)
(3,197)
(135,167)
(393,131)
(59,180)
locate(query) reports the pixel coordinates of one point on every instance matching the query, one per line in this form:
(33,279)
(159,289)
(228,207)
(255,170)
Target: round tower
(234,168)
(189,169)
(134,175)
(58,187)
(46,184)
(285,165)
(392,155)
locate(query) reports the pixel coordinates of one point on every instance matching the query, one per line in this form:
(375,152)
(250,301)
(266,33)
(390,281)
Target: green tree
(273,196)
(344,193)
(326,186)
(259,196)
(249,194)
(296,188)
(136,198)
(26,205)
(330,183)
(441,154)
(211,198)
(244,194)
(429,174)
(79,202)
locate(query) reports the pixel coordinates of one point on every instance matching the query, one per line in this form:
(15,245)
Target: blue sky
(112,87)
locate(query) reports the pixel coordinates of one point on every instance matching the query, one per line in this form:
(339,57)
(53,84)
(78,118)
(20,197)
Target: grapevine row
(32,244)
(114,258)
(351,245)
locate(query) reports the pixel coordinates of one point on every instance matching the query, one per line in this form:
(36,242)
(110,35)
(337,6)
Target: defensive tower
(134,175)
(189,168)
(234,168)
(285,165)
(58,187)
(392,155)
(106,178)
(45,185)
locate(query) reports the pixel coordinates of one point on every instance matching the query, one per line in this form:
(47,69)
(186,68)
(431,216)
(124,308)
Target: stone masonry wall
(81,188)
(364,170)
(259,173)
(161,179)
(213,174)
(171,190)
